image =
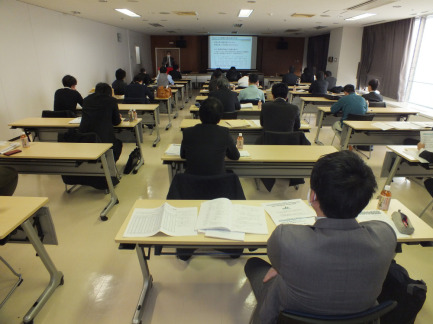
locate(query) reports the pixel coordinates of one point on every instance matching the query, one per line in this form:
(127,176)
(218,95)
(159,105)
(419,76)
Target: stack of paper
(244,154)
(255,123)
(173,149)
(237,123)
(382,126)
(246,105)
(294,211)
(9,148)
(75,121)
(370,215)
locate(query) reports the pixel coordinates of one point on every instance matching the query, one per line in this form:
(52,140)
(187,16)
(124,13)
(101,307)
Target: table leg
(156,120)
(175,104)
(344,142)
(291,97)
(182,97)
(138,128)
(168,103)
(113,200)
(56,277)
(321,117)
(302,108)
(393,171)
(147,284)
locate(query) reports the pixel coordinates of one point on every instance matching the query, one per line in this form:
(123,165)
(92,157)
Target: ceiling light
(361,16)
(128,12)
(245,13)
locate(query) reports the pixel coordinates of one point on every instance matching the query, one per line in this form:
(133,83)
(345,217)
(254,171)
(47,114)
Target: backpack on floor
(410,295)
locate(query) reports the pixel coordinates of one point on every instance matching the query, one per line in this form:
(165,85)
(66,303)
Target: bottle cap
(387,188)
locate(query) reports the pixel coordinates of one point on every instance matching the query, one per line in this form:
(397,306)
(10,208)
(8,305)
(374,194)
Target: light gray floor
(102,284)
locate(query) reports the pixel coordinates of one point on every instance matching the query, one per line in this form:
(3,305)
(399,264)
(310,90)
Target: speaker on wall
(181,43)
(282,45)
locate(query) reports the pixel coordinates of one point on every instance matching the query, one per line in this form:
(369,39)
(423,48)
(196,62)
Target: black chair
(57,114)
(230,115)
(369,316)
(429,186)
(283,138)
(255,102)
(197,187)
(377,104)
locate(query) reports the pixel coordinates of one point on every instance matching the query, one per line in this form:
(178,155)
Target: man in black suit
(205,145)
(373,95)
(279,115)
(168,61)
(233,74)
(100,114)
(68,97)
(319,87)
(332,81)
(146,77)
(217,74)
(137,92)
(228,98)
(175,74)
(119,84)
(290,78)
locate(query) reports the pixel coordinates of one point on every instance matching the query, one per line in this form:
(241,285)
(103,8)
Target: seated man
(175,74)
(332,82)
(233,74)
(137,92)
(336,266)
(373,94)
(206,145)
(243,82)
(216,75)
(307,76)
(252,92)
(228,98)
(68,97)
(351,103)
(279,115)
(319,87)
(100,114)
(290,79)
(119,85)
(146,77)
(164,79)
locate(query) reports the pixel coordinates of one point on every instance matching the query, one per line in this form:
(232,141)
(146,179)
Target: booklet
(173,149)
(294,211)
(248,105)
(167,219)
(221,214)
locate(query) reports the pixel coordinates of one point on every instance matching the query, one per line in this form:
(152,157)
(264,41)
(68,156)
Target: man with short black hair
(137,92)
(336,266)
(290,79)
(68,97)
(119,85)
(175,74)
(228,98)
(373,94)
(351,103)
(279,115)
(332,81)
(252,92)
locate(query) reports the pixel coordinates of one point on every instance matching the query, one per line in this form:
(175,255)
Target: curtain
(384,56)
(317,53)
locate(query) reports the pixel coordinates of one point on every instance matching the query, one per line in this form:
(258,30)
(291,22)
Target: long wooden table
(251,131)
(90,159)
(187,83)
(422,233)
(365,133)
(315,101)
(243,113)
(326,118)
(15,212)
(265,161)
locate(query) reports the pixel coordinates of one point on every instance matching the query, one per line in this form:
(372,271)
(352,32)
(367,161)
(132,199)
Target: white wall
(40,46)
(345,45)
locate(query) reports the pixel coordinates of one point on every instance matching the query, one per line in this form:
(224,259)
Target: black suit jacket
(100,113)
(307,77)
(205,146)
(279,116)
(136,93)
(373,97)
(233,75)
(175,75)
(332,82)
(166,61)
(319,87)
(290,79)
(228,98)
(67,99)
(213,85)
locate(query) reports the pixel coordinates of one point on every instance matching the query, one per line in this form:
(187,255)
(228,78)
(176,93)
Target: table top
(249,124)
(15,210)
(317,99)
(59,122)
(368,125)
(138,107)
(423,232)
(408,152)
(60,151)
(378,110)
(277,153)
(201,98)
(255,108)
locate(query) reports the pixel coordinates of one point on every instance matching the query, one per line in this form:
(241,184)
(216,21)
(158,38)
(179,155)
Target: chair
(429,186)
(230,115)
(57,114)
(377,104)
(283,138)
(368,316)
(253,101)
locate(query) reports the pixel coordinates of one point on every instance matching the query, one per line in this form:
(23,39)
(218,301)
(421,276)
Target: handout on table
(173,149)
(75,121)
(294,211)
(374,214)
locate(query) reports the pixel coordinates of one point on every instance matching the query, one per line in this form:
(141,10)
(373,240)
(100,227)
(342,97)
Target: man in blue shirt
(351,103)
(252,92)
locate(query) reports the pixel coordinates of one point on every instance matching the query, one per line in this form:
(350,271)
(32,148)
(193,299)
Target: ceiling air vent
(156,25)
(185,13)
(371,4)
(298,15)
(320,27)
(237,25)
(291,30)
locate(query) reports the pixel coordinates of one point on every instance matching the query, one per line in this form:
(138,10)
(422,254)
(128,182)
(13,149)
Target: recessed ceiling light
(361,16)
(245,13)
(128,12)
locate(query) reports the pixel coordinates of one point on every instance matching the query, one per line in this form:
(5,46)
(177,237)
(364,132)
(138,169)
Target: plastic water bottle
(384,199)
(259,104)
(134,114)
(240,142)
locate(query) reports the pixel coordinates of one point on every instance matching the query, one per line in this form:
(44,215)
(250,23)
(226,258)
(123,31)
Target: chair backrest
(377,104)
(72,136)
(189,186)
(8,180)
(366,117)
(57,114)
(253,101)
(230,115)
(285,138)
(374,313)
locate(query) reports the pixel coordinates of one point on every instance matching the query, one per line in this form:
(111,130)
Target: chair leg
(425,209)
(257,181)
(17,283)
(333,139)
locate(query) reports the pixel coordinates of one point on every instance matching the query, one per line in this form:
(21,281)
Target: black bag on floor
(410,295)
(133,160)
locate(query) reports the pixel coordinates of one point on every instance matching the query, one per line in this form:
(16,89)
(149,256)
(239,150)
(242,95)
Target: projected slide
(227,51)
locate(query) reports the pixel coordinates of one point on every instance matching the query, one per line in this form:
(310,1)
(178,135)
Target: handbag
(163,92)
(133,160)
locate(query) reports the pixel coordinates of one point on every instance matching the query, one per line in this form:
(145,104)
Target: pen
(404,220)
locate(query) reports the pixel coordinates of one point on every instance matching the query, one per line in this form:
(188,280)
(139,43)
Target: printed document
(167,219)
(379,215)
(173,149)
(427,139)
(75,121)
(294,211)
